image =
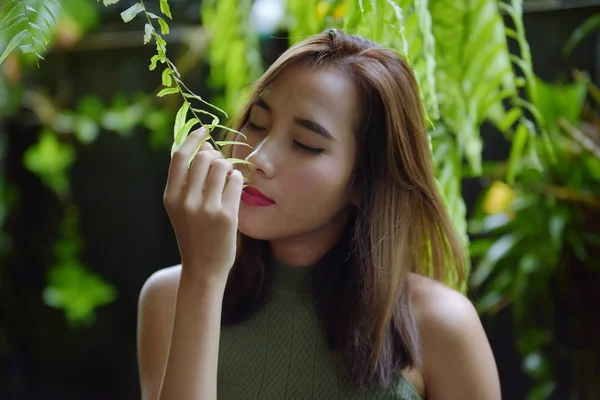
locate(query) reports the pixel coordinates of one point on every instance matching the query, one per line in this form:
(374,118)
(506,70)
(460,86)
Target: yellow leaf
(497,198)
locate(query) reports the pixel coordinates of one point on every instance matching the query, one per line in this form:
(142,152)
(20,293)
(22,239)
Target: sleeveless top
(281,352)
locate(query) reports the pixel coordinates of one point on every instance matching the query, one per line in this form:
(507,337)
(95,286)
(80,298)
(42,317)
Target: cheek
(323,183)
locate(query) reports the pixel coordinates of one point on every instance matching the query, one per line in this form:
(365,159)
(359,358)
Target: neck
(309,248)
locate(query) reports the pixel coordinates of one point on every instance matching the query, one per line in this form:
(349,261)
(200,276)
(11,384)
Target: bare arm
(191,370)
(458,360)
(154,326)
(183,329)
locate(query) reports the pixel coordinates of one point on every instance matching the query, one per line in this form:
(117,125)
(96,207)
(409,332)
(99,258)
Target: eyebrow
(305,123)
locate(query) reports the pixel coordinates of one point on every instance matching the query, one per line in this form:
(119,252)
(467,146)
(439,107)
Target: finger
(193,140)
(178,169)
(213,191)
(233,191)
(196,179)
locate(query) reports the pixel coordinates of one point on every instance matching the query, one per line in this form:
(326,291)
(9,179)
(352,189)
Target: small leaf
(509,119)
(168,91)
(156,58)
(38,42)
(131,12)
(185,129)
(27,48)
(164,27)
(110,2)
(195,96)
(230,130)
(12,22)
(180,119)
(238,161)
(148,31)
(515,152)
(7,9)
(588,26)
(166,77)
(231,142)
(50,12)
(165,9)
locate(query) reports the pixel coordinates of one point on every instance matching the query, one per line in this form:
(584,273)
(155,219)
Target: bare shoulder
(162,282)
(439,307)
(457,359)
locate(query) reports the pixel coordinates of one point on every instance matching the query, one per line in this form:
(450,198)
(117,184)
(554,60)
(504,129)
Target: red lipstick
(254,197)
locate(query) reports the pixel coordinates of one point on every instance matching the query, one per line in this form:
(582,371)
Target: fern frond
(473,71)
(20,21)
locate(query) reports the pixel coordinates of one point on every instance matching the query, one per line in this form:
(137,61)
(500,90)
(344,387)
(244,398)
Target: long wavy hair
(400,225)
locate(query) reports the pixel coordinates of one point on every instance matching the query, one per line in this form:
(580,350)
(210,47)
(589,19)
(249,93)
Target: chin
(257,228)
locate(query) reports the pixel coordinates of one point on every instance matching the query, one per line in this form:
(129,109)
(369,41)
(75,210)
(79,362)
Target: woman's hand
(203,208)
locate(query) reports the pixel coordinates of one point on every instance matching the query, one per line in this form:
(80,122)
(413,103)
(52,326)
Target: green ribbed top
(281,352)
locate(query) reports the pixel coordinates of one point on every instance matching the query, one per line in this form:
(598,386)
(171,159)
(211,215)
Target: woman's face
(302,130)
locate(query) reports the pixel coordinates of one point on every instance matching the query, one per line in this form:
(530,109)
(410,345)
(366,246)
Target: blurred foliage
(227,20)
(71,286)
(586,28)
(529,230)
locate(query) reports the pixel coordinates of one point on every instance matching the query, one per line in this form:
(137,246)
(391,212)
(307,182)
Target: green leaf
(166,77)
(180,121)
(516,151)
(164,27)
(188,127)
(76,290)
(156,58)
(7,9)
(587,27)
(238,161)
(195,96)
(12,22)
(168,91)
(231,130)
(27,48)
(110,2)
(500,249)
(131,12)
(165,9)
(148,31)
(14,42)
(49,12)
(50,160)
(509,119)
(184,130)
(86,130)
(231,142)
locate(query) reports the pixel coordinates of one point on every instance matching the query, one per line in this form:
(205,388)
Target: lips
(255,197)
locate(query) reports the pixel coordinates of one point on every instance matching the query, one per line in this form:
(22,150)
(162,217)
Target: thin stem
(168,65)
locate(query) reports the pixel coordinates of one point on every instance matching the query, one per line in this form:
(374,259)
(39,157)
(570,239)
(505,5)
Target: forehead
(327,95)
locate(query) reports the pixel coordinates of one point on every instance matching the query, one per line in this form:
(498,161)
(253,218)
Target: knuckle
(222,164)
(189,205)
(179,155)
(168,201)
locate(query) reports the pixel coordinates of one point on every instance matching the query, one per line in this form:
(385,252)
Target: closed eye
(312,150)
(255,127)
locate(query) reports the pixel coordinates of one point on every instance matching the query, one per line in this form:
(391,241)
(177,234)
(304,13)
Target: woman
(331,275)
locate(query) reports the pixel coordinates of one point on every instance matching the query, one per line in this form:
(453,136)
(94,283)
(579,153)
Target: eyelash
(311,150)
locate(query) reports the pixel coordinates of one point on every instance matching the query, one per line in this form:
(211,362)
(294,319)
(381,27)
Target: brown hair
(399,226)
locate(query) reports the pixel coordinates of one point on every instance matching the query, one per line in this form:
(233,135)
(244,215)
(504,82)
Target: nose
(262,158)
